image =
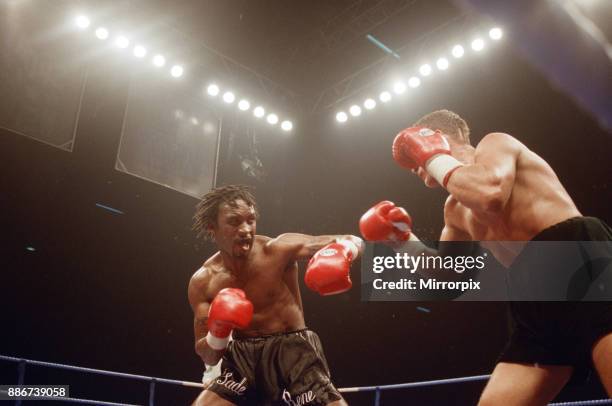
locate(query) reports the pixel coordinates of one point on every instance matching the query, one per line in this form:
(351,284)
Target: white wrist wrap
(440,166)
(217,343)
(351,246)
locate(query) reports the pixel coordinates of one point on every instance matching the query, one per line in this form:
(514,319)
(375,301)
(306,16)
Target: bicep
(498,154)
(199,303)
(200,319)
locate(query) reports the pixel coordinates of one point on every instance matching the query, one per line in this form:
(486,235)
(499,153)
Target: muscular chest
(261,282)
(466,220)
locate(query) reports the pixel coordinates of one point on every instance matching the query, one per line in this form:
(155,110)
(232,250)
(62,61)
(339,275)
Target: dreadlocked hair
(207,210)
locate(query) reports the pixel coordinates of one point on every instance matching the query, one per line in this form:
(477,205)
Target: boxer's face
(235,229)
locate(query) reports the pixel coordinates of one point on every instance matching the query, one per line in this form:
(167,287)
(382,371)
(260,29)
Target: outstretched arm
(302,246)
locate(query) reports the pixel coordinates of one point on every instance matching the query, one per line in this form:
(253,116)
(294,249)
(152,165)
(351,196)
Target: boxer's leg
(208,398)
(525,385)
(602,358)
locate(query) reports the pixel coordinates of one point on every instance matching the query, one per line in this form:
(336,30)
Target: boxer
(502,191)
(249,289)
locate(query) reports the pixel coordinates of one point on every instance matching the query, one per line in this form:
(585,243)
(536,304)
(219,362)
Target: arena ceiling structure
(118,115)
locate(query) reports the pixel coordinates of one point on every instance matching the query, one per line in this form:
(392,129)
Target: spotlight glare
(194,121)
(140,51)
(399,87)
(159,61)
(458,51)
(82,22)
(272,119)
(229,97)
(355,110)
(414,82)
(385,96)
(244,105)
(425,70)
(478,44)
(102,33)
(369,104)
(259,112)
(122,42)
(442,63)
(341,117)
(212,89)
(287,125)
(177,71)
(496,33)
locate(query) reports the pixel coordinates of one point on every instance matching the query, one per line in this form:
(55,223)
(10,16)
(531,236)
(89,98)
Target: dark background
(108,291)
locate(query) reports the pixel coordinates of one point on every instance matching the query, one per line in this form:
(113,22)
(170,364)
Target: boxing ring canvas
(170,136)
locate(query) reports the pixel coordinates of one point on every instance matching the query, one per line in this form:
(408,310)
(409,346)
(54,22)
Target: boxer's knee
(208,398)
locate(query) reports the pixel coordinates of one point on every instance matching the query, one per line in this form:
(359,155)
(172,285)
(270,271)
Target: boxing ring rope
(379,389)
(22,363)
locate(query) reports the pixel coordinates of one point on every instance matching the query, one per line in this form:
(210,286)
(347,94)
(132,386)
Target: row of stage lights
(176,71)
(425,70)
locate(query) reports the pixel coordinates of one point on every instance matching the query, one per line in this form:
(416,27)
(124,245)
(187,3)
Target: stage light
(272,119)
(194,121)
(122,42)
(425,69)
(478,44)
(384,96)
(369,104)
(177,71)
(399,87)
(229,97)
(287,125)
(212,90)
(442,63)
(102,33)
(355,110)
(259,112)
(82,22)
(159,61)
(458,51)
(496,33)
(140,51)
(341,117)
(244,105)
(414,82)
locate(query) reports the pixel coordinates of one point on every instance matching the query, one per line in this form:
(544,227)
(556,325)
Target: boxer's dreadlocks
(448,122)
(207,209)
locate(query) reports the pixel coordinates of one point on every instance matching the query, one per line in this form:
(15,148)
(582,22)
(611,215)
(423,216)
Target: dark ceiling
(108,290)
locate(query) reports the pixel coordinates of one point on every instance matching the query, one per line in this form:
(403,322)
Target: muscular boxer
(501,191)
(249,289)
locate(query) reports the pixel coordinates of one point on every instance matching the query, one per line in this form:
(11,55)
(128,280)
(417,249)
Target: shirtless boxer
(251,286)
(502,191)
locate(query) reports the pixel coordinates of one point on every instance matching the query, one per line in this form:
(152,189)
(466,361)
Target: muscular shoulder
(497,141)
(198,284)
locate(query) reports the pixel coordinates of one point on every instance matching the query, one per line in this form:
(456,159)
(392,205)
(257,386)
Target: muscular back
(534,198)
(270,282)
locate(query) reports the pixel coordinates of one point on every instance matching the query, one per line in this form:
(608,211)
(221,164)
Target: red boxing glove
(385,222)
(328,270)
(419,146)
(230,309)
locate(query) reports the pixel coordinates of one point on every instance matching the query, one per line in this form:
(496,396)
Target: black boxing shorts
(560,333)
(279,369)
